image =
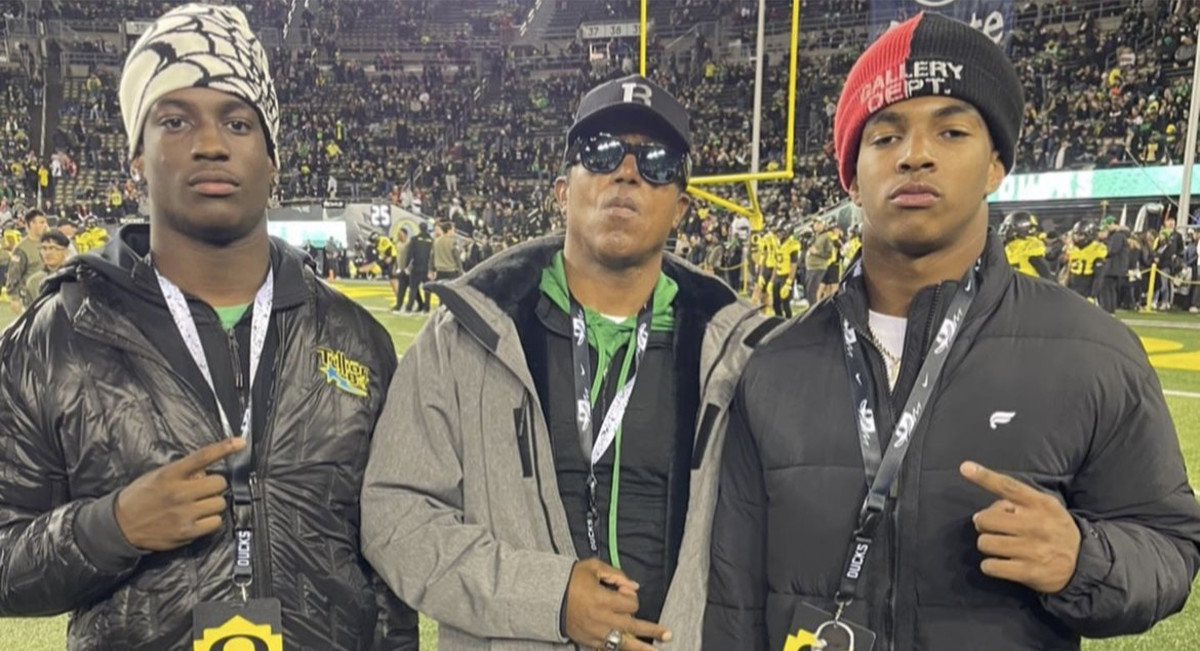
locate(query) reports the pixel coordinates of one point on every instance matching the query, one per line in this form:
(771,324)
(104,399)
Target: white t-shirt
(889,332)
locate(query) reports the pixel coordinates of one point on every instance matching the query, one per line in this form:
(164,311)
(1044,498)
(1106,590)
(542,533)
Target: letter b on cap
(637,92)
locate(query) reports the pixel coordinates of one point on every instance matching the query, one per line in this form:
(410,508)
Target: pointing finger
(200,459)
(1000,485)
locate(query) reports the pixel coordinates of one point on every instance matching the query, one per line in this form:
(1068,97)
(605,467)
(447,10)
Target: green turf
(1179,633)
(1173,316)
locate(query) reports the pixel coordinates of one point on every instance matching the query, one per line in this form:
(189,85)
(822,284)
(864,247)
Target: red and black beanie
(929,55)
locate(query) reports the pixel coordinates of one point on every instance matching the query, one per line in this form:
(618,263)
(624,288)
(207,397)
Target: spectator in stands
(1081,111)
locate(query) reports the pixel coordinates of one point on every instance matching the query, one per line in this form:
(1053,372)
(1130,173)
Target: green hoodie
(603,334)
(607,337)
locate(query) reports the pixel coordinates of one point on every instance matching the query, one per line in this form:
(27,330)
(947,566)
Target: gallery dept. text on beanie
(929,55)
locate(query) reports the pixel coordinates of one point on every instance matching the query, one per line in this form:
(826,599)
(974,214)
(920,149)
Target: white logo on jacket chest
(1001,418)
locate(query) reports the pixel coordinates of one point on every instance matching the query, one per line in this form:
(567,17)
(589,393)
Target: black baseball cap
(632,102)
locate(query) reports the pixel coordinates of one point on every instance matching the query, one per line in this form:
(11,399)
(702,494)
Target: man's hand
(170,507)
(1027,536)
(16,306)
(600,599)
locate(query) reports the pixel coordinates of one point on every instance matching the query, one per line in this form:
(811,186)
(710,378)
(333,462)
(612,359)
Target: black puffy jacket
(1094,431)
(96,389)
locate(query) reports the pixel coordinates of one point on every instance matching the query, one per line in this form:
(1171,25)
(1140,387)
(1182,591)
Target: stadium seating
(437,101)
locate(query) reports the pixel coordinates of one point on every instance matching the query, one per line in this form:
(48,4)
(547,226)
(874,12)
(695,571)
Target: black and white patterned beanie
(198,46)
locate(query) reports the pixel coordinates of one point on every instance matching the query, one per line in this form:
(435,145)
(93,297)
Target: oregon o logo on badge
(239,634)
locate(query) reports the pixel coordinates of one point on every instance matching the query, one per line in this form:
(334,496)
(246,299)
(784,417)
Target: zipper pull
(255,492)
(236,358)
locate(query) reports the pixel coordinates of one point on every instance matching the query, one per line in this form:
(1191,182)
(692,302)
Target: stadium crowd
(470,129)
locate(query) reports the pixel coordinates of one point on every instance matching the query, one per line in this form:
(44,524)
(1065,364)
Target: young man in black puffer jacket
(1043,496)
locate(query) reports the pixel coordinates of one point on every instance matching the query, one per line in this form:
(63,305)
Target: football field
(1173,342)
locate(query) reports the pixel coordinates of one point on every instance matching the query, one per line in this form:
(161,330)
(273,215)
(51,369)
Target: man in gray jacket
(567,403)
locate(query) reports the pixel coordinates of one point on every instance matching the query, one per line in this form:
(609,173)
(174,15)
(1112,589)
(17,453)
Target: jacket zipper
(934,307)
(880,370)
(256,501)
(262,538)
(235,359)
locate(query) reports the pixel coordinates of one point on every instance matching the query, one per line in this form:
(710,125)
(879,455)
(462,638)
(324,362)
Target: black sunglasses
(657,163)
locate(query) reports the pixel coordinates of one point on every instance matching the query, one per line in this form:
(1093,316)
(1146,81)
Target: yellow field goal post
(753,212)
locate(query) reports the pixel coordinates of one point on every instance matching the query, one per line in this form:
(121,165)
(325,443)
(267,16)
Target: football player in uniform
(1025,250)
(852,245)
(1085,259)
(833,273)
(786,259)
(764,259)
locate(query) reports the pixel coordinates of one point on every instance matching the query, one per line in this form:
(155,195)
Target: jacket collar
(126,260)
(995,276)
(499,288)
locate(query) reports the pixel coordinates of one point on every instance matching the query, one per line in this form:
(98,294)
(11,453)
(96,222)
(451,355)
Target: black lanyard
(594,447)
(883,469)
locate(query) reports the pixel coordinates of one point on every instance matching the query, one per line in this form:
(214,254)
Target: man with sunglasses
(566,404)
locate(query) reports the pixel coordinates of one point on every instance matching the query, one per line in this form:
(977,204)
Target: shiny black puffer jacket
(88,403)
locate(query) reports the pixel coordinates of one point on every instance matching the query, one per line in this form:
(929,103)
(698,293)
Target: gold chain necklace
(891,363)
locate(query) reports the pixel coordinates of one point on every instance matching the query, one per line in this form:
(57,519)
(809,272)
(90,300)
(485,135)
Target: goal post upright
(755,175)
